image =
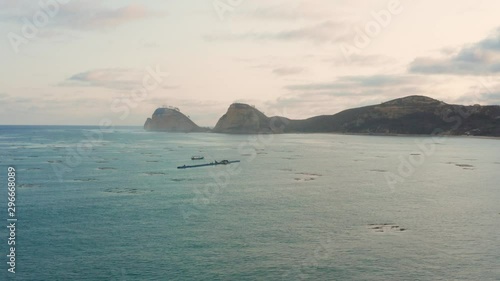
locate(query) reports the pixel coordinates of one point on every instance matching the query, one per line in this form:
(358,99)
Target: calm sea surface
(112,205)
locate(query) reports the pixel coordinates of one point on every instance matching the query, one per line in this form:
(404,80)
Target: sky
(72,62)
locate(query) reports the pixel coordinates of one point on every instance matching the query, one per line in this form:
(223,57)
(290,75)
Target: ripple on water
(306,176)
(181,179)
(465,166)
(461,165)
(106,168)
(154,173)
(27,185)
(132,191)
(84,180)
(385,227)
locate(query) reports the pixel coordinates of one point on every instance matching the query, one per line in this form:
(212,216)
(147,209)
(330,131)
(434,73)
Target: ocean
(96,204)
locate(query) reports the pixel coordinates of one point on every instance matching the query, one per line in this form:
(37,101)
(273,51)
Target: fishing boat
(223,162)
(197,158)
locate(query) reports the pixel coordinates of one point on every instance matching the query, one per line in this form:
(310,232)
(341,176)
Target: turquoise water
(297,207)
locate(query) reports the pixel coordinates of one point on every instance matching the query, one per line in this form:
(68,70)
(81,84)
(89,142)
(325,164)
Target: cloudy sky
(80,62)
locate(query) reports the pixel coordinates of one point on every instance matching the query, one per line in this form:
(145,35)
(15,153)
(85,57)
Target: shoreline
(287,133)
(335,133)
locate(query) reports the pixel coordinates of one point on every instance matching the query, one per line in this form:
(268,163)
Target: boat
(223,162)
(197,158)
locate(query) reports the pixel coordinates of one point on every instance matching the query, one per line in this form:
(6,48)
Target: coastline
(338,133)
(286,133)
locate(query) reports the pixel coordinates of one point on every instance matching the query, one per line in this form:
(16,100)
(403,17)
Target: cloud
(4,97)
(323,32)
(492,98)
(485,98)
(287,11)
(304,105)
(309,99)
(362,60)
(82,15)
(284,71)
(485,91)
(110,78)
(480,58)
(356,82)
